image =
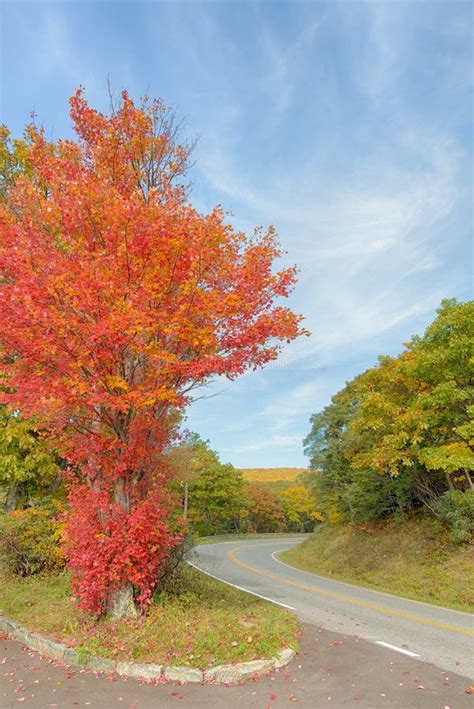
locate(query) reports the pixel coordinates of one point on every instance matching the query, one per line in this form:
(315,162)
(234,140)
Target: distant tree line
(218,500)
(215,498)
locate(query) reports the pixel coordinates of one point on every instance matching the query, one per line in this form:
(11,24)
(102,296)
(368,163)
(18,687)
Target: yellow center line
(345,599)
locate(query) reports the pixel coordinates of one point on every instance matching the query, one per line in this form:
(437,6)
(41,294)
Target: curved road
(427,633)
(333,669)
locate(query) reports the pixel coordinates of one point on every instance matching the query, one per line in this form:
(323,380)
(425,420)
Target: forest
(399,437)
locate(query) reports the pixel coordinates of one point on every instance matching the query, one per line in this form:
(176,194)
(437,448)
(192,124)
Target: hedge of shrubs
(30,542)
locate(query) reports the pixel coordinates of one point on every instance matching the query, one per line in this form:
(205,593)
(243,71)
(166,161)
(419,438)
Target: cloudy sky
(347,125)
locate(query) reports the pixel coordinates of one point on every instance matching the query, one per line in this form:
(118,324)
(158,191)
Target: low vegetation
(391,461)
(412,557)
(195,621)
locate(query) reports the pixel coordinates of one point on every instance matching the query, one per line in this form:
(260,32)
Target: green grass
(206,623)
(407,557)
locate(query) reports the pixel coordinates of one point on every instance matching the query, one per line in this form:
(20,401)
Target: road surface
(423,632)
(333,669)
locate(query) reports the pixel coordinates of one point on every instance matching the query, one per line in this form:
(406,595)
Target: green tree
(445,363)
(28,468)
(328,447)
(212,491)
(13,160)
(401,434)
(417,408)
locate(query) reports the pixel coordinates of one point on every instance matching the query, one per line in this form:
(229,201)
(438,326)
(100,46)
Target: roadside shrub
(456,509)
(30,542)
(174,568)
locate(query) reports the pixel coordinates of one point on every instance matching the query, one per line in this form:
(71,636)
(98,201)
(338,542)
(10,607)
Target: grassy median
(201,623)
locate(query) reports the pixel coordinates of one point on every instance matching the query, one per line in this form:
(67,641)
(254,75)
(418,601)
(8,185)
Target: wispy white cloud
(383,63)
(282,67)
(56,54)
(266,444)
(346,126)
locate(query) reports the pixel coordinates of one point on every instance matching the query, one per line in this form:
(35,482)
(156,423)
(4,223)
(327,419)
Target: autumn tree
(118,300)
(264,511)
(299,508)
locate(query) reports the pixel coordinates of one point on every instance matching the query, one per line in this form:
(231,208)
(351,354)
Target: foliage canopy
(118,300)
(401,434)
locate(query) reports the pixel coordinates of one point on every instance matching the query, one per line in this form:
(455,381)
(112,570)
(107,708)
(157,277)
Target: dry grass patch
(408,557)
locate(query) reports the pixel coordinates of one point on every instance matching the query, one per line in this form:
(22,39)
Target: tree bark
(450,482)
(13,495)
(121,602)
(469,479)
(186,499)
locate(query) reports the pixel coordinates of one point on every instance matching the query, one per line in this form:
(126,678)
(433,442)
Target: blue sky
(347,125)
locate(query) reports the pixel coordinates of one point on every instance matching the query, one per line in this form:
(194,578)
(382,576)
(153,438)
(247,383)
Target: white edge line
(365,588)
(240,588)
(398,649)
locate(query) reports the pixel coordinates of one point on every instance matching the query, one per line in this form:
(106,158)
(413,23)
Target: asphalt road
(333,669)
(426,633)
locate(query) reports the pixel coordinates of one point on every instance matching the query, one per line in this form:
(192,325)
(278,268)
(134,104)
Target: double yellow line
(346,599)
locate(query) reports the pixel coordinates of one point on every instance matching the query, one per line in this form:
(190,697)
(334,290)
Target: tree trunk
(186,499)
(121,603)
(54,486)
(13,495)
(469,479)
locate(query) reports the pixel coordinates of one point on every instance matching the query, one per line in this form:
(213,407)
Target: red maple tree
(117,300)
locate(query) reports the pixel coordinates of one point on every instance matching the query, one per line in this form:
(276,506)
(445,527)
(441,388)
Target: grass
(271,475)
(407,557)
(207,623)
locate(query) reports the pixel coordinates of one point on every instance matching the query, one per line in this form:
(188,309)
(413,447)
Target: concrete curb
(221,674)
